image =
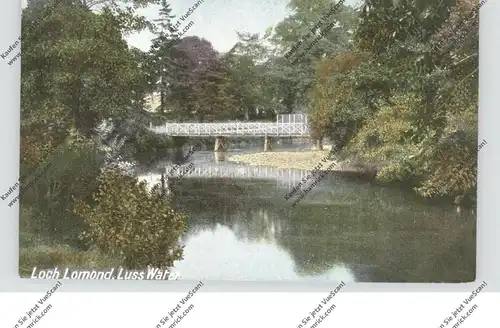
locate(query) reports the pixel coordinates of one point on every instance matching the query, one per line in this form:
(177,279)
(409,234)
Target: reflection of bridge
(286,178)
(287,125)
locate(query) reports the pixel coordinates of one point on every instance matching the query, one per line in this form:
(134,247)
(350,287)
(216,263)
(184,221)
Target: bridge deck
(293,125)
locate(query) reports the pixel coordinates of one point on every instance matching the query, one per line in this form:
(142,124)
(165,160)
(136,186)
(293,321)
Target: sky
(218,20)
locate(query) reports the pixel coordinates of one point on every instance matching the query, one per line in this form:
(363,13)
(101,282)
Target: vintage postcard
(248,140)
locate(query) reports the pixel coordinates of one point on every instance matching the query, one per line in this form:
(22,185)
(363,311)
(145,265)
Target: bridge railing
(286,125)
(233,129)
(291,119)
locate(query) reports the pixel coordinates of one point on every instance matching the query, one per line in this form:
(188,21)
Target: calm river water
(344,229)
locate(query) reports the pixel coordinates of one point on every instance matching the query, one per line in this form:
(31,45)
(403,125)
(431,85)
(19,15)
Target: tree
(199,86)
(70,76)
(252,80)
(414,67)
(333,99)
(331,36)
(82,83)
(159,63)
(142,230)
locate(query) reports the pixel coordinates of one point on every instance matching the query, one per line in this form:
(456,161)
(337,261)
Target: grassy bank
(62,256)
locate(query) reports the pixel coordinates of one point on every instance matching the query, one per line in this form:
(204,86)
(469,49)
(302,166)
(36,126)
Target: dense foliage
(405,98)
(78,75)
(393,84)
(142,229)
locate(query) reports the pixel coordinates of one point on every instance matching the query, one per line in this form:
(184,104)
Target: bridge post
(319,143)
(267,143)
(220,144)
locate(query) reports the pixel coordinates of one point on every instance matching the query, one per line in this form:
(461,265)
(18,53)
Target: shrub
(144,146)
(150,142)
(71,174)
(133,223)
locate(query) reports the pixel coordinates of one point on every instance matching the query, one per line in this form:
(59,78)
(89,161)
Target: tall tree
(252,78)
(199,88)
(333,99)
(315,29)
(160,64)
(74,75)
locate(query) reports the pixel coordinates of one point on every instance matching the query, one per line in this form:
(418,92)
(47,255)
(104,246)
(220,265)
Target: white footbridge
(285,178)
(287,125)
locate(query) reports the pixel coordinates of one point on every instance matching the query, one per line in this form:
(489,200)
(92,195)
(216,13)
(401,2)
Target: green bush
(135,224)
(71,174)
(145,146)
(150,142)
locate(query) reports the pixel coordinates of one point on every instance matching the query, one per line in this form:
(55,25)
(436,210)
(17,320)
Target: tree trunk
(162,180)
(162,96)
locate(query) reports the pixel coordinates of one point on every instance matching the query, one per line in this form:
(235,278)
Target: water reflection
(283,178)
(243,229)
(220,156)
(219,254)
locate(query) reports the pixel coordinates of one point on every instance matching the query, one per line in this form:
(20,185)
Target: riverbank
(298,160)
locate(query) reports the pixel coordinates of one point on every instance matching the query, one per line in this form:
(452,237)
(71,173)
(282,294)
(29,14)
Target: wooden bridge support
(165,185)
(267,143)
(319,143)
(221,144)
